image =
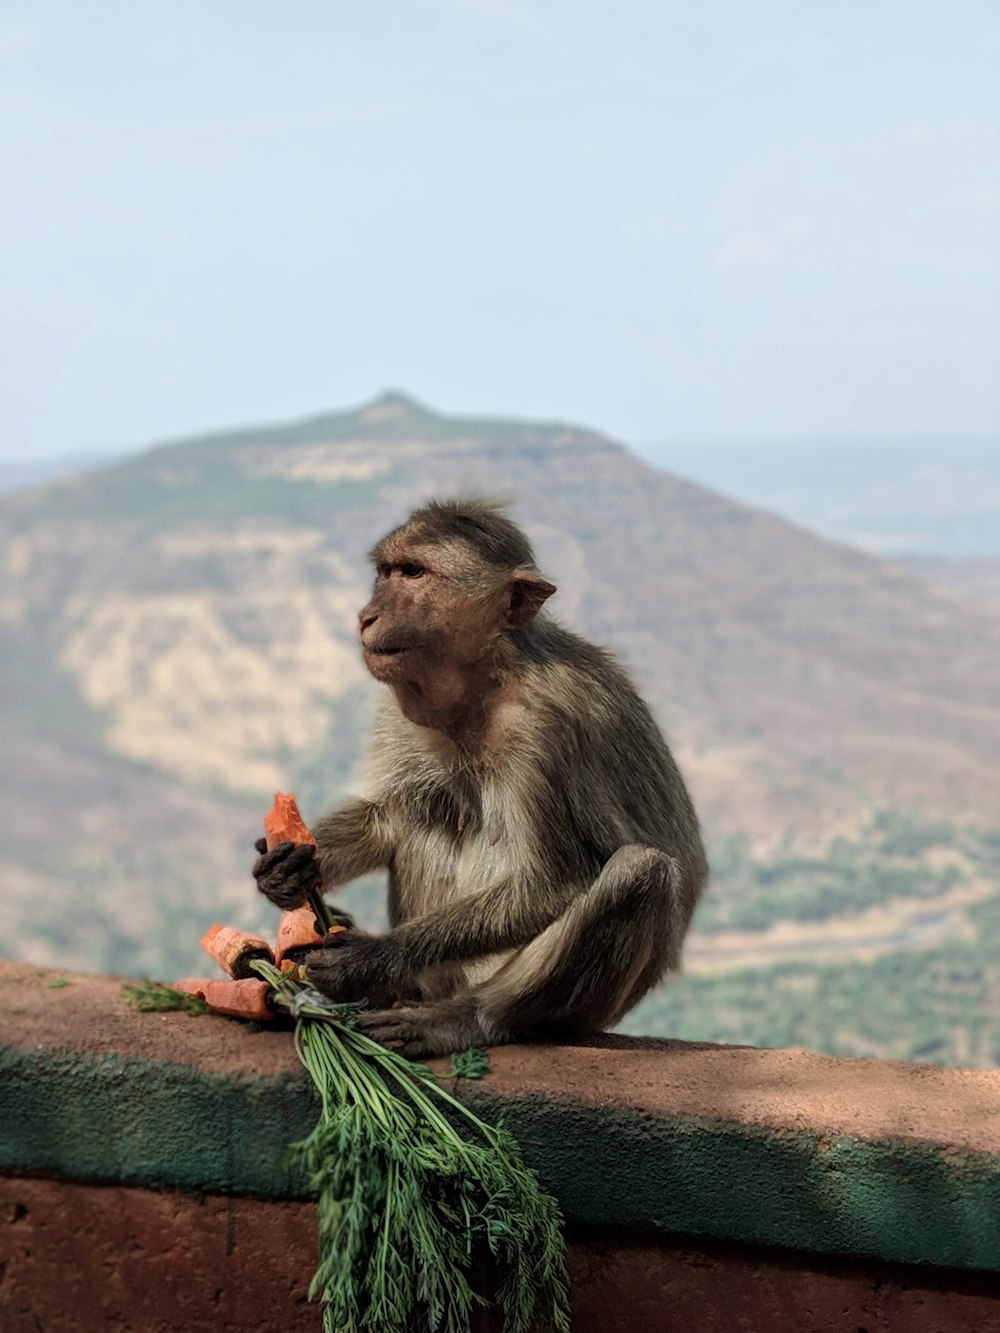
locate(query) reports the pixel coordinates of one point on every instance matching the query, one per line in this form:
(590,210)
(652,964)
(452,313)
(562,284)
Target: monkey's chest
(438,863)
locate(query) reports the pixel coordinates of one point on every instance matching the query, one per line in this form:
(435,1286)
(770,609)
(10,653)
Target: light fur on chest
(435,867)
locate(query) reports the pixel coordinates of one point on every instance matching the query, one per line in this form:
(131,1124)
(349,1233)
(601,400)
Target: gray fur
(544,856)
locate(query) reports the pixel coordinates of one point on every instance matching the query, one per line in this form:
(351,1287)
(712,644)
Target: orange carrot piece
(283,823)
(297,934)
(234,950)
(246,998)
(193,985)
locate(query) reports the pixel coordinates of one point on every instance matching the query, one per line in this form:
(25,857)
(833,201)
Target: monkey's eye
(409,571)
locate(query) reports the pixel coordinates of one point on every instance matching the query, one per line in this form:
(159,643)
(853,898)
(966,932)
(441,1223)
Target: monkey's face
(437,618)
(430,615)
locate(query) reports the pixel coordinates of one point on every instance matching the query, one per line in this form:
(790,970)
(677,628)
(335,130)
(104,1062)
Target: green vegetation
(414,1190)
(897,856)
(472,1063)
(940,1004)
(154,997)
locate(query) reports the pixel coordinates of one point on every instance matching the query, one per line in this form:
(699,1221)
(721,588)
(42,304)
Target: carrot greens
(418,1197)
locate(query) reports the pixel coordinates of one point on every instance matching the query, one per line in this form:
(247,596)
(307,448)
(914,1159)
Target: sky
(665,219)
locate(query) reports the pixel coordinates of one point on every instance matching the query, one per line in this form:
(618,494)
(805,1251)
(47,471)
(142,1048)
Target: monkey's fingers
(289,855)
(326,971)
(399,1029)
(288,874)
(338,917)
(285,895)
(284,892)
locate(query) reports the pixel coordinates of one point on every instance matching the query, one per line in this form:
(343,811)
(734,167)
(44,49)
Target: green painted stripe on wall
(162,1125)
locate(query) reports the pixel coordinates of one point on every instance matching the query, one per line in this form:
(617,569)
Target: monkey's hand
(351,966)
(287,874)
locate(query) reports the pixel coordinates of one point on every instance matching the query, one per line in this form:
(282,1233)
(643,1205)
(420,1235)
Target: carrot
(193,985)
(297,935)
(283,823)
(246,998)
(234,950)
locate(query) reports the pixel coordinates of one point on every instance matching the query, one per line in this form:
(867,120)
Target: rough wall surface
(92,1257)
(146,1186)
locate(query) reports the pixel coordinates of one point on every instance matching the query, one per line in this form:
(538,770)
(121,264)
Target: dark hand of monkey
(338,917)
(351,966)
(287,874)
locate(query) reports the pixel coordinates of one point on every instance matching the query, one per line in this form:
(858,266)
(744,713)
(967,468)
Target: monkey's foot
(421,1030)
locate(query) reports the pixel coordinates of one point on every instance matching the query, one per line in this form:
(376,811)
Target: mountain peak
(392,405)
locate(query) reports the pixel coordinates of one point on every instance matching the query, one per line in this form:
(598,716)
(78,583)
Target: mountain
(976,577)
(178,640)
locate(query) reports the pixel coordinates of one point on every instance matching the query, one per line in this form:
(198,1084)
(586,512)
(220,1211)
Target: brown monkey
(544,856)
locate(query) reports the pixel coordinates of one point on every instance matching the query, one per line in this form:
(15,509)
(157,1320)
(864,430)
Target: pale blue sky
(662,218)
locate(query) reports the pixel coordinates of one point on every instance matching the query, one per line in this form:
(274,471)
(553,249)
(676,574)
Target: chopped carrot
(297,934)
(283,823)
(245,998)
(234,950)
(194,985)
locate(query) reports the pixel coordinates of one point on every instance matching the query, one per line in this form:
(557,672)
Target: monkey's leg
(580,975)
(613,943)
(429,1029)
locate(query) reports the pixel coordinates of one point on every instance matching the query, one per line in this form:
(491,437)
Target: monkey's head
(450,584)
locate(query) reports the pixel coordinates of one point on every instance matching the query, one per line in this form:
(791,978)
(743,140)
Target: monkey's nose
(367,618)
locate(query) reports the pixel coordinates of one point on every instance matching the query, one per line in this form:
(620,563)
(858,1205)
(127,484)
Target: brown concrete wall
(144,1185)
(80,1258)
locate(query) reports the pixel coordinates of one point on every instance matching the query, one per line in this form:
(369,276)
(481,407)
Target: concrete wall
(143,1182)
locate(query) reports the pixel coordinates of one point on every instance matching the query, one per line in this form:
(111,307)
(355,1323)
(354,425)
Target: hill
(177,634)
(975,577)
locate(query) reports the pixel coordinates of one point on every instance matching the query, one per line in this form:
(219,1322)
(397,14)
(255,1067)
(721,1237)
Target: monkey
(544,854)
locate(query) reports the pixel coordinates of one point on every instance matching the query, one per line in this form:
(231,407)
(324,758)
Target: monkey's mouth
(387,650)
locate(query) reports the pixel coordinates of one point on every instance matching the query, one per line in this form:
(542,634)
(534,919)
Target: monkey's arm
(349,842)
(505,916)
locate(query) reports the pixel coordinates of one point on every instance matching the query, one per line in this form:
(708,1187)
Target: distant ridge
(921,494)
(390,415)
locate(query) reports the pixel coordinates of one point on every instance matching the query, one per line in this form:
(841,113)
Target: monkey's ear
(526,593)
